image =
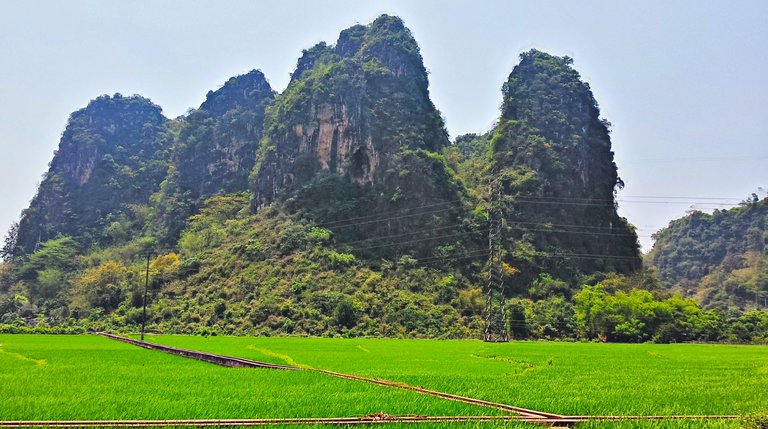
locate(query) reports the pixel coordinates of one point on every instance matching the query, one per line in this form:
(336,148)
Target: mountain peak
(349,110)
(242,91)
(111,155)
(551,131)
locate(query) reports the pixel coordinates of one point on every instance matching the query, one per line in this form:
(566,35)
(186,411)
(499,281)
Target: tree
(7,276)
(345,314)
(59,253)
(102,287)
(10,242)
(550,318)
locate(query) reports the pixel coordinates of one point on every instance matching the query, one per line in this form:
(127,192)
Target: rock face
(546,94)
(112,154)
(216,148)
(214,152)
(354,133)
(364,191)
(553,153)
(349,110)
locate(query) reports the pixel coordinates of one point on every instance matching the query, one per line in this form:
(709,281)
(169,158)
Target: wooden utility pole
(146,286)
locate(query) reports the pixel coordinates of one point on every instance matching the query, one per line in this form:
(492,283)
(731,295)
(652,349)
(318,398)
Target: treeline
(718,258)
(597,315)
(634,316)
(271,274)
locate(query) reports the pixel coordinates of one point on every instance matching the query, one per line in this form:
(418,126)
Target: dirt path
(361,420)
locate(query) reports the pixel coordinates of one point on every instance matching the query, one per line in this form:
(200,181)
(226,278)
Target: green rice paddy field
(90,377)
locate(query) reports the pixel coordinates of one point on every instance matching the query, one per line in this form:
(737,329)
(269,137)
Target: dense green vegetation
(552,152)
(719,258)
(269,273)
(637,316)
(88,377)
(339,207)
(566,378)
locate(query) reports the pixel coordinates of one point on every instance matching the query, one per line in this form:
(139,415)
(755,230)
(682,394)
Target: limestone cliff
(276,212)
(349,110)
(552,152)
(214,151)
(216,148)
(111,155)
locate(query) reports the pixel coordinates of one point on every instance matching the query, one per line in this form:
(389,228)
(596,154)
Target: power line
(607,203)
(561,225)
(436,259)
(392,218)
(533,200)
(581,229)
(586,256)
(537,253)
(384,237)
(331,223)
(549,255)
(481,231)
(527,198)
(417,241)
(459,234)
(457,225)
(580,232)
(691,203)
(701,159)
(683,198)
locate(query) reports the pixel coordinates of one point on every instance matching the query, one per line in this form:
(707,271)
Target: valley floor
(89,377)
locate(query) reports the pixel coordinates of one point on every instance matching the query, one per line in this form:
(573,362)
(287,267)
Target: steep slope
(217,145)
(356,132)
(358,216)
(719,258)
(553,164)
(112,155)
(273,272)
(214,151)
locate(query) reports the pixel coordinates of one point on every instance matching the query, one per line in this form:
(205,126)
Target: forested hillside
(340,207)
(719,259)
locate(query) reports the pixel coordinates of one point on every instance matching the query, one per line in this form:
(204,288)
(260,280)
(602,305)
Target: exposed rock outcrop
(348,110)
(553,153)
(216,147)
(112,154)
(214,152)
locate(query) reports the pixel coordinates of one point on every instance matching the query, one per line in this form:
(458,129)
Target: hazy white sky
(683,82)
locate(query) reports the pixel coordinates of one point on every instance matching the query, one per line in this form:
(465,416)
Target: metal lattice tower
(495,314)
